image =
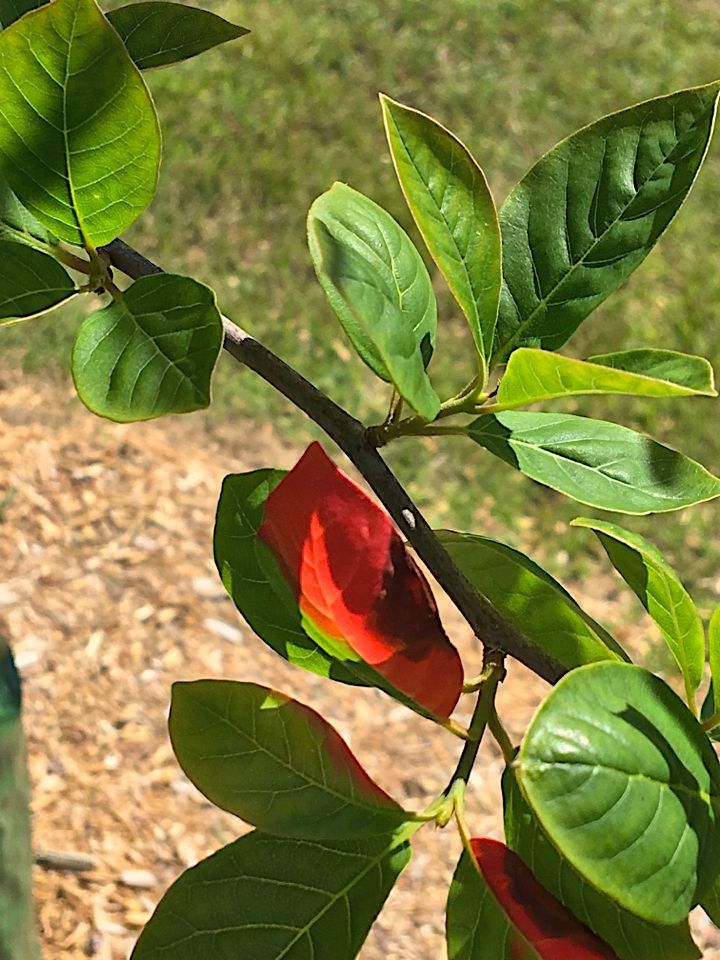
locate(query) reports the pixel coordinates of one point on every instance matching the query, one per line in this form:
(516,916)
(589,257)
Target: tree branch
(494,630)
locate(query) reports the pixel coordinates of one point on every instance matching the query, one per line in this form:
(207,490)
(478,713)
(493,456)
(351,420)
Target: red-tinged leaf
(541,927)
(356,583)
(275,763)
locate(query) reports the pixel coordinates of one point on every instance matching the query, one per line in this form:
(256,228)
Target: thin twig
(494,630)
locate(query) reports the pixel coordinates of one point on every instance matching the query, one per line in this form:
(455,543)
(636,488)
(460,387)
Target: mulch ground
(109,594)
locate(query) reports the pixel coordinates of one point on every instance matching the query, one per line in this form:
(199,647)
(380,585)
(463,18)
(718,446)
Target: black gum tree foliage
(612,799)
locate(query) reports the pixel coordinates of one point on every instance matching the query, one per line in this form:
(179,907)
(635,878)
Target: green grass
(255,130)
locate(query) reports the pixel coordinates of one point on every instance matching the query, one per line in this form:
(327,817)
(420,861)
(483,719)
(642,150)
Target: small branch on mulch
(65,860)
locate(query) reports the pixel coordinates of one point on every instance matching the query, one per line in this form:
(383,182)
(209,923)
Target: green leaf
(714,647)
(629,936)
(595,462)
(266,897)
(590,210)
(534,375)
(30,282)
(626,784)
(150,353)
(12,10)
(449,198)
(531,600)
(275,763)
(79,145)
(17,224)
(157,33)
(378,286)
(657,586)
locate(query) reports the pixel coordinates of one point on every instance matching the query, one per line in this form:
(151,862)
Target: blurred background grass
(255,130)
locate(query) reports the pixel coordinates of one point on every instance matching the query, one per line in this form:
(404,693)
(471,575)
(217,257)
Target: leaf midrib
(341,894)
(306,929)
(701,794)
(66,142)
(352,801)
(462,258)
(561,459)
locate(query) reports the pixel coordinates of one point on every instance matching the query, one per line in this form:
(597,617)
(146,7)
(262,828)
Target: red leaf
(554,932)
(355,580)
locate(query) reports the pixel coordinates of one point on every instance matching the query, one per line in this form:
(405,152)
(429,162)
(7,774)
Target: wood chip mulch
(109,594)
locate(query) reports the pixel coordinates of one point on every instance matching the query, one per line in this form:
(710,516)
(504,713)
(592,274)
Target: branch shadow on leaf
(495,438)
(665,464)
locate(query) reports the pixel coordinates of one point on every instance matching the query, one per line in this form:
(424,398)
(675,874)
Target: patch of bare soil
(110,594)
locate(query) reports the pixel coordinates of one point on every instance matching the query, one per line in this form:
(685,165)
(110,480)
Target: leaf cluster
(613,797)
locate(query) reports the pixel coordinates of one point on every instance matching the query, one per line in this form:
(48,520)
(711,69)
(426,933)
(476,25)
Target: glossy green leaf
(12,10)
(266,897)
(251,576)
(714,646)
(660,591)
(17,224)
(150,353)
(380,289)
(263,596)
(30,282)
(595,462)
(590,210)
(531,599)
(79,145)
(534,375)
(18,940)
(157,33)
(626,784)
(449,198)
(630,937)
(275,763)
